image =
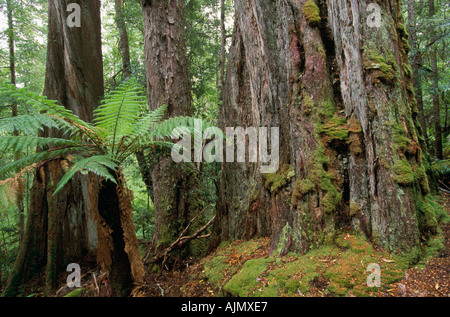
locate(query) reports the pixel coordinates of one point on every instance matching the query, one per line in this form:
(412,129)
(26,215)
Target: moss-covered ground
(341,269)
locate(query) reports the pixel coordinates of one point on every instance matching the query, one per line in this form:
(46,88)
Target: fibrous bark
(60,228)
(175,191)
(350,155)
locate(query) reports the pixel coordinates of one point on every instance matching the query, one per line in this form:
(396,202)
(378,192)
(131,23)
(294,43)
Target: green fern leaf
(100,165)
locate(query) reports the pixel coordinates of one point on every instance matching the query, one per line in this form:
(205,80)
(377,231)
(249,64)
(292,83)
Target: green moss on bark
(379,68)
(403,173)
(312,12)
(276,181)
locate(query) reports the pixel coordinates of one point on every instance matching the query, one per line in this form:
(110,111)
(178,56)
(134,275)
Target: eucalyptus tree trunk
(175,194)
(60,228)
(332,76)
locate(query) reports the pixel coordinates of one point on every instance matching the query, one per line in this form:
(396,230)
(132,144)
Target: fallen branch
(181,241)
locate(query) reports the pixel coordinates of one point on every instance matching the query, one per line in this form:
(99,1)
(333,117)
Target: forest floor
(246,269)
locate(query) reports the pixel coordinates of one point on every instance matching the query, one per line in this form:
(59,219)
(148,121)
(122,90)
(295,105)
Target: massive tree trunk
(333,80)
(175,192)
(60,228)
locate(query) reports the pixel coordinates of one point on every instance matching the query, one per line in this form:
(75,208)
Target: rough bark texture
(175,192)
(350,155)
(60,228)
(123,38)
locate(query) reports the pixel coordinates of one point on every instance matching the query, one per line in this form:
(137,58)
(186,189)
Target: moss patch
(335,128)
(276,181)
(241,283)
(379,68)
(312,12)
(333,270)
(429,214)
(403,173)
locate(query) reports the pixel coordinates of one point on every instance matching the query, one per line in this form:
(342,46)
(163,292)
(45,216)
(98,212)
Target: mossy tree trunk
(175,190)
(60,228)
(339,89)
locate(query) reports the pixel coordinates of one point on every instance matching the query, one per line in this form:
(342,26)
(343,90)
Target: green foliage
(75,293)
(29,33)
(122,126)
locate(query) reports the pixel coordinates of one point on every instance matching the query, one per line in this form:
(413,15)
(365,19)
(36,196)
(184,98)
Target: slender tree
(123,38)
(435,84)
(15,112)
(416,63)
(175,195)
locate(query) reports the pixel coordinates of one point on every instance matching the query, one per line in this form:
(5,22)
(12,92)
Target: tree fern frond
(22,143)
(146,122)
(38,157)
(28,124)
(45,113)
(100,165)
(119,111)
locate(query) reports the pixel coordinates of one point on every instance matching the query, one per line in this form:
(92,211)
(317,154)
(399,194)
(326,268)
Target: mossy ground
(337,270)
(250,269)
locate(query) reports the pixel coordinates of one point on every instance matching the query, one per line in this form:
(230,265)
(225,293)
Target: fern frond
(22,143)
(28,124)
(166,128)
(119,112)
(100,165)
(38,157)
(146,122)
(45,113)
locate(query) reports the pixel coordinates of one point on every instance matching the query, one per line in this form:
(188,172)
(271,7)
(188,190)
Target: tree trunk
(336,87)
(15,113)
(118,250)
(60,228)
(435,86)
(123,38)
(416,60)
(175,192)
(222,60)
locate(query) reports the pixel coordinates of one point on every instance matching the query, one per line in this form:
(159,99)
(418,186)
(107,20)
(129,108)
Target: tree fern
(101,165)
(122,126)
